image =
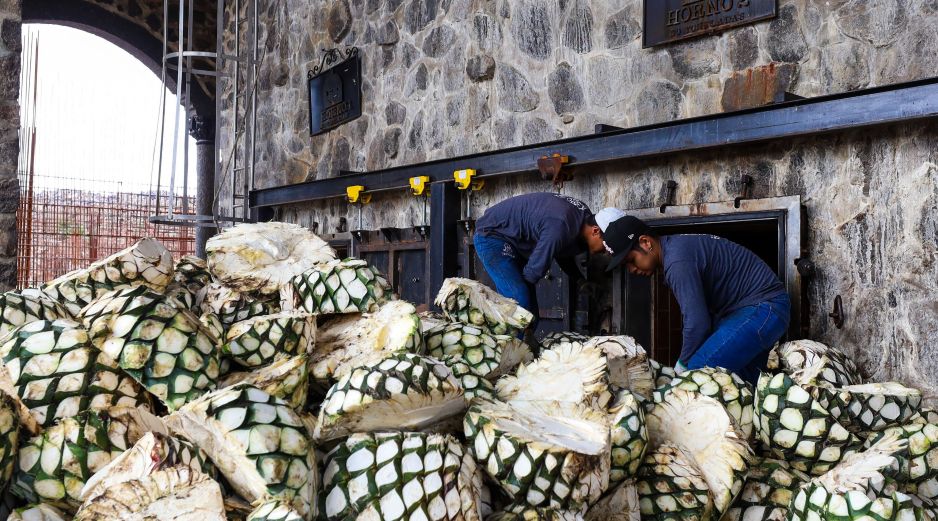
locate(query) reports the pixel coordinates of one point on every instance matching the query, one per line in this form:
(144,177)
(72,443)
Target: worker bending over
(733,305)
(519,238)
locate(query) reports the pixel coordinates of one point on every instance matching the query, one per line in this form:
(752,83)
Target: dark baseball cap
(621,236)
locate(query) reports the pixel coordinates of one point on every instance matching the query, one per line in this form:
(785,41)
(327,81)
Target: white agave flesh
(354,340)
(262,257)
(628,363)
(173,494)
(702,426)
(569,373)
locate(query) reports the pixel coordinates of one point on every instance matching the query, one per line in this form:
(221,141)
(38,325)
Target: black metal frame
(856,109)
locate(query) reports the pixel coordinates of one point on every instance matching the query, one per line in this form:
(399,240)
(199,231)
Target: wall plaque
(335,94)
(672,20)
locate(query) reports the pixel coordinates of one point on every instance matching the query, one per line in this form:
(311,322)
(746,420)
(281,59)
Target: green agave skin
(57,373)
(348,286)
(663,374)
(474,385)
(825,364)
(672,488)
(720,384)
(231,306)
(22,307)
(815,502)
(534,466)
(261,340)
(400,476)
(863,409)
(629,436)
(797,429)
(9,438)
(552,340)
(54,466)
(918,460)
(394,393)
(261,430)
(146,263)
(769,488)
(484,352)
(163,347)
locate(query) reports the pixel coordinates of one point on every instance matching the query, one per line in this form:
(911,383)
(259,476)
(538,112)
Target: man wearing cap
(733,305)
(519,238)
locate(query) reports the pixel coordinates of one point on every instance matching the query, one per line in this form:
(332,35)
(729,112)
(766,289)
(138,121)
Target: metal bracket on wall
(746,185)
(837,315)
(552,167)
(669,197)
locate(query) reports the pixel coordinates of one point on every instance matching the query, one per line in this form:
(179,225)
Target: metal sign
(335,94)
(672,20)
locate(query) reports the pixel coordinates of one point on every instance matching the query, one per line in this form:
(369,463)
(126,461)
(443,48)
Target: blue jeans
(505,267)
(742,340)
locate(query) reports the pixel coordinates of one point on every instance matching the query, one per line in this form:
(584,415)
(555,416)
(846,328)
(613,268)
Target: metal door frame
(787,211)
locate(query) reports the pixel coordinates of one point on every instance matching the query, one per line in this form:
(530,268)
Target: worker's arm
(684,280)
(551,240)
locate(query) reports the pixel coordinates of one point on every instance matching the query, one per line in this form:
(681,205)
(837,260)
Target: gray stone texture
(870,195)
(9,139)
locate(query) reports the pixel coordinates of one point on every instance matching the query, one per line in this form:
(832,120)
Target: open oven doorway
(645,308)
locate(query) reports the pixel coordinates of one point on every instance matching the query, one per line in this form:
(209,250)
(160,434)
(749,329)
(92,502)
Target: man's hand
(679,368)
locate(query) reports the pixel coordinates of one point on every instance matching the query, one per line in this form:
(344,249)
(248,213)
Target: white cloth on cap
(606,216)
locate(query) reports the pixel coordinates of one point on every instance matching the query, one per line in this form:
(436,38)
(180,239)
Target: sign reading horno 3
(672,20)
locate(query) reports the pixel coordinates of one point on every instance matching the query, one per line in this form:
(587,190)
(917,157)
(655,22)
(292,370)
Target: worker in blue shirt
(733,305)
(518,239)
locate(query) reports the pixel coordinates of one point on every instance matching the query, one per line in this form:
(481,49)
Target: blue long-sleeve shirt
(712,277)
(540,227)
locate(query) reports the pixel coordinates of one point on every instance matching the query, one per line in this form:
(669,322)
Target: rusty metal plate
(668,21)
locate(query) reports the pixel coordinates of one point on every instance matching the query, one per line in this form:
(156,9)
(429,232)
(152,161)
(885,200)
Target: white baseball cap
(606,216)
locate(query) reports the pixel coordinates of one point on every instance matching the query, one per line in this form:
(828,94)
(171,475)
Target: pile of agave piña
(273,381)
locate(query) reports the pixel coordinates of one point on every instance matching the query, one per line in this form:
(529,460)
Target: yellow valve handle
(356,194)
(418,185)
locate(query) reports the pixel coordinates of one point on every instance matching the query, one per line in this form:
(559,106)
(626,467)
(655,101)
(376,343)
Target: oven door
(645,308)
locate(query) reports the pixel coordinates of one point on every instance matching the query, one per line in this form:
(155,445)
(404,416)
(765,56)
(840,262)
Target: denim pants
(742,340)
(503,265)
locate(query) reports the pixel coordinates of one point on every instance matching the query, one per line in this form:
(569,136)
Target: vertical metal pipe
(249,140)
(203,131)
(444,236)
(179,88)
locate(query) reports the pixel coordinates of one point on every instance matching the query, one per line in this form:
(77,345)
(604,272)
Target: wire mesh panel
(65,224)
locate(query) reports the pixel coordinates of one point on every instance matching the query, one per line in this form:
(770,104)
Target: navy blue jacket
(541,227)
(712,277)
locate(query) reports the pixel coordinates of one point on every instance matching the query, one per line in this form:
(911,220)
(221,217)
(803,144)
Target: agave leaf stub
(543,454)
(257,442)
(402,392)
(473,303)
(146,263)
(721,385)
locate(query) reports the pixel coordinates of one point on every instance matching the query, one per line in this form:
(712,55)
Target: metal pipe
(172,175)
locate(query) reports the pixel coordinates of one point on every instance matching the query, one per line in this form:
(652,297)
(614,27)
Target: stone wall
(450,77)
(9,138)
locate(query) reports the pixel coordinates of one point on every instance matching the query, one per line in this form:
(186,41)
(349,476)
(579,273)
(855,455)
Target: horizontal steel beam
(856,109)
